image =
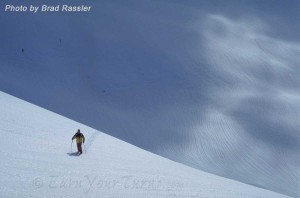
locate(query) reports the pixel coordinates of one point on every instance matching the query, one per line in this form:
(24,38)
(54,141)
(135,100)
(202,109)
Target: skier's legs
(79,148)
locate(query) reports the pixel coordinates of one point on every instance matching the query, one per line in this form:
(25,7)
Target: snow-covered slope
(36,161)
(210,84)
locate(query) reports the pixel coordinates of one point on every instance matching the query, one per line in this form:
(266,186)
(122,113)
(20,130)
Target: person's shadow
(73,154)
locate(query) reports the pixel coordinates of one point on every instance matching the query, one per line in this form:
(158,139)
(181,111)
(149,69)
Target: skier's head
(78,131)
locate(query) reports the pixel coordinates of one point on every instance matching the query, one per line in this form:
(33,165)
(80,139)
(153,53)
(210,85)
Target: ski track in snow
(90,141)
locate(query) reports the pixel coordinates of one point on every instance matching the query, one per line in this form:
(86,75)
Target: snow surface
(36,161)
(210,84)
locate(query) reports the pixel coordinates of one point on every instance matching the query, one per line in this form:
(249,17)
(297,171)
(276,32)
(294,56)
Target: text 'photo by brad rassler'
(47,8)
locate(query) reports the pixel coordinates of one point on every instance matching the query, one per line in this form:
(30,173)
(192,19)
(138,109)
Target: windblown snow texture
(213,85)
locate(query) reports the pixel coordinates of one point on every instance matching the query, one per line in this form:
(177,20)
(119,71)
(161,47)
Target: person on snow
(79,140)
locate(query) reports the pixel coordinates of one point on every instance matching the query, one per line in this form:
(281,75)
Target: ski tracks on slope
(90,141)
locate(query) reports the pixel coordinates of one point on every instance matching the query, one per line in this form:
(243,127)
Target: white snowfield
(36,161)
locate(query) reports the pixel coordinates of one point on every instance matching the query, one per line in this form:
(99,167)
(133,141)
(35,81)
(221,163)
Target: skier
(79,140)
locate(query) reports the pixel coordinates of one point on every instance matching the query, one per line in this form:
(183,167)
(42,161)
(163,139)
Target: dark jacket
(79,137)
